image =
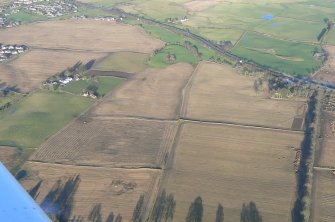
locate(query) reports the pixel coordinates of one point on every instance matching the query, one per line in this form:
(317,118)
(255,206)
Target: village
(8,51)
(35,7)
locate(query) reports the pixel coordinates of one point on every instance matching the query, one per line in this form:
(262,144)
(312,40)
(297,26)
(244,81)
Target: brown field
(78,35)
(107,141)
(151,93)
(8,156)
(232,165)
(327,71)
(98,185)
(28,71)
(201,5)
(219,93)
(324,196)
(327,152)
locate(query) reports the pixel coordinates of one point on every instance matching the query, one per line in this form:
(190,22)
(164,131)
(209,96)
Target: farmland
(129,62)
(289,57)
(289,30)
(161,109)
(180,54)
(220,93)
(122,187)
(327,151)
(245,164)
(143,94)
(100,141)
(36,117)
(78,35)
(324,197)
(28,71)
(104,85)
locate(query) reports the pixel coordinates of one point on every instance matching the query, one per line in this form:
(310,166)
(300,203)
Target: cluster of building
(7,51)
(105,18)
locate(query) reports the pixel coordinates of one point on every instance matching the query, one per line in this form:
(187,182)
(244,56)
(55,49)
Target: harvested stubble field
(220,93)
(106,141)
(78,35)
(28,71)
(327,71)
(152,93)
(97,185)
(324,196)
(234,165)
(327,151)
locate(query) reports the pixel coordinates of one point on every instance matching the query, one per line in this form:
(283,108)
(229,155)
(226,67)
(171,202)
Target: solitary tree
(219,214)
(195,212)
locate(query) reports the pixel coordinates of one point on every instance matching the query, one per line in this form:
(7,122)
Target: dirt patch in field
(220,93)
(110,142)
(9,156)
(327,71)
(201,5)
(86,34)
(324,196)
(234,165)
(28,71)
(117,190)
(152,93)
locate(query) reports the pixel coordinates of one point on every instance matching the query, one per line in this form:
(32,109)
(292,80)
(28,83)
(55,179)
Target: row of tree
(249,212)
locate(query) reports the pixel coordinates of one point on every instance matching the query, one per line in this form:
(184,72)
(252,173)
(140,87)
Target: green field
(174,38)
(105,84)
(290,57)
(9,98)
(31,121)
(291,30)
(26,17)
(278,28)
(182,55)
(130,62)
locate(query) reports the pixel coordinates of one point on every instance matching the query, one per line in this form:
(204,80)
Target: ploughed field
(233,165)
(117,190)
(220,93)
(110,142)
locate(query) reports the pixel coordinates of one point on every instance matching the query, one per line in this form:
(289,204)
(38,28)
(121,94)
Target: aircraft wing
(16,205)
